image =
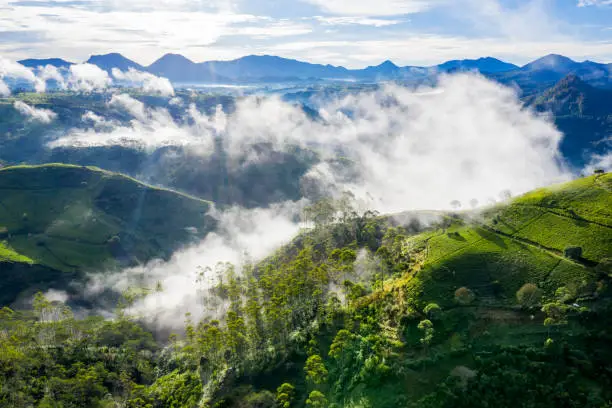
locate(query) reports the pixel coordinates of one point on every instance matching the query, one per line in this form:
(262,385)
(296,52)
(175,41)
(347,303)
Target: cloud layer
(467,139)
(79,78)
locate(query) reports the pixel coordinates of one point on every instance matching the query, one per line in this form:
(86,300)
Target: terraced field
(523,242)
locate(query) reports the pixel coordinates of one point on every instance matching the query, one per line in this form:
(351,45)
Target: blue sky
(353,33)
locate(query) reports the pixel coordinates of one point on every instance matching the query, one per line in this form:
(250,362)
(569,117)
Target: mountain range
(536,75)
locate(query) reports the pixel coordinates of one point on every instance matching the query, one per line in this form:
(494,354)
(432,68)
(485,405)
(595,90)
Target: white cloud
(4,89)
(148,82)
(530,20)
(150,129)
(143,28)
(434,49)
(51,73)
(13,70)
(603,162)
(470,138)
(242,235)
(35,114)
(97,121)
(87,78)
(585,3)
(372,8)
(367,21)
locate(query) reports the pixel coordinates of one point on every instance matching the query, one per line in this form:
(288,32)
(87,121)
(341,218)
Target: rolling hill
(448,324)
(75,219)
(509,306)
(522,242)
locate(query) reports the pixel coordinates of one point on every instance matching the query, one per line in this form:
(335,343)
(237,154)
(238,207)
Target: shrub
(528,295)
(573,252)
(263,399)
(464,296)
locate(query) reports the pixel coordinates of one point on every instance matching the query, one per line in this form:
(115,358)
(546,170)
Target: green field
(74,218)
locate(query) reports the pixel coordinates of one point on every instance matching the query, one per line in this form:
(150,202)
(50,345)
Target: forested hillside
(66,220)
(509,307)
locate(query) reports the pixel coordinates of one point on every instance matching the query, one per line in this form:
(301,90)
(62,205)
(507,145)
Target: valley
(390,236)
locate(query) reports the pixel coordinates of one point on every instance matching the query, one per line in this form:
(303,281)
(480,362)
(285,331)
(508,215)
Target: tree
(505,195)
(432,310)
(322,212)
(285,394)
(316,372)
(464,296)
(456,204)
(528,295)
(317,399)
(556,310)
(426,326)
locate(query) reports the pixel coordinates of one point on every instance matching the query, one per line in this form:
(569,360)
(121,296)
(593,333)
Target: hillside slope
(466,309)
(73,218)
(523,242)
(436,318)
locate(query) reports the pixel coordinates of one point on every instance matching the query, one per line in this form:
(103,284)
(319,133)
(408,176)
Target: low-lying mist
(467,140)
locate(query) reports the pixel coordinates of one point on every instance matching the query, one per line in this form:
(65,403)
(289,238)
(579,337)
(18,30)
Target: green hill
(79,219)
(508,307)
(521,242)
(517,290)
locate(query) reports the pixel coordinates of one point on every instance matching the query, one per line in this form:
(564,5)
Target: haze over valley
(263,232)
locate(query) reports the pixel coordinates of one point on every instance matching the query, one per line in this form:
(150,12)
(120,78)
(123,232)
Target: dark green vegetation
(60,220)
(582,113)
(207,175)
(509,308)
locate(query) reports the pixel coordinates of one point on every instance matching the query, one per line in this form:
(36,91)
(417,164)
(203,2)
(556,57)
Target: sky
(352,33)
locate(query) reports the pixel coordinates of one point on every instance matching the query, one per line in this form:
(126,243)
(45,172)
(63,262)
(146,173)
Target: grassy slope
(63,217)
(522,242)
(494,256)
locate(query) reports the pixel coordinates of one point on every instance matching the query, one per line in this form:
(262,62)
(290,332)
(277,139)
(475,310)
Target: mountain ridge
(531,77)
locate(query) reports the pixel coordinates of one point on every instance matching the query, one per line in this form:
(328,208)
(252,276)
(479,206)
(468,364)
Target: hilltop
(76,219)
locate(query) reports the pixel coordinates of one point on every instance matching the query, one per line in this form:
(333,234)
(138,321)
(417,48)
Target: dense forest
(510,308)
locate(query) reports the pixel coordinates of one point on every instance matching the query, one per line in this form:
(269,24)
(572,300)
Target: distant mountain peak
(385,67)
(388,64)
(482,64)
(553,62)
(113,60)
(174,57)
(56,62)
